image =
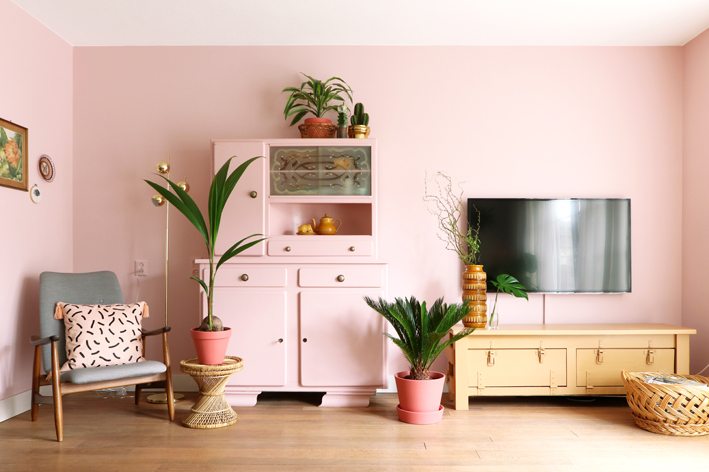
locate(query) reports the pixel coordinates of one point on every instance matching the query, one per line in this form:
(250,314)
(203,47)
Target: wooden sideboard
(561,359)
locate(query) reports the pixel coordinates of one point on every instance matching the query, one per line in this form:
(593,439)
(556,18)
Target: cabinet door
(257,317)
(245,212)
(341,339)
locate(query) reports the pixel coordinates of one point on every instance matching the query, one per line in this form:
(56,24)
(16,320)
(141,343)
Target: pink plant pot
(211,345)
(420,395)
(420,417)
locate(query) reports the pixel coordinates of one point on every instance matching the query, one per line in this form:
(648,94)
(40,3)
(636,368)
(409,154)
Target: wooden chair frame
(60,388)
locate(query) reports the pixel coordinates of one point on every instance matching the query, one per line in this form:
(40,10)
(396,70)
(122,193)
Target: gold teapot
(328,225)
(305,229)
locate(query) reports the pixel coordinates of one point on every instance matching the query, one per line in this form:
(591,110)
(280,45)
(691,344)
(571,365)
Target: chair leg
(57,395)
(138,389)
(36,373)
(168,379)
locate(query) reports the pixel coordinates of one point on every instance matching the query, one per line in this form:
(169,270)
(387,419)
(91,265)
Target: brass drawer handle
(340,278)
(490,358)
(351,249)
(244,277)
(253,194)
(287,248)
(599,356)
(650,357)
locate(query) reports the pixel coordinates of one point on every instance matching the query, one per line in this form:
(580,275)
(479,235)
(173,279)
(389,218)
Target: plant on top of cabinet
(342,121)
(360,122)
(463,238)
(423,334)
(316,97)
(223,184)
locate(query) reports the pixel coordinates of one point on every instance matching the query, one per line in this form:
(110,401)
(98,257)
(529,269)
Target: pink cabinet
(295,302)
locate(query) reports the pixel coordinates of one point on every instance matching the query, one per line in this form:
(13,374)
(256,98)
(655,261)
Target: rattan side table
(211,409)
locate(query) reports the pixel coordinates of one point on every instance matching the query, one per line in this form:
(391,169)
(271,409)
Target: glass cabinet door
(320,170)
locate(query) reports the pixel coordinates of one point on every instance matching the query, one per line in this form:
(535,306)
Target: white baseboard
(14,405)
(17,404)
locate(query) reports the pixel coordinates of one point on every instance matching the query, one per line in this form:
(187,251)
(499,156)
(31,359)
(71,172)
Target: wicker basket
(676,410)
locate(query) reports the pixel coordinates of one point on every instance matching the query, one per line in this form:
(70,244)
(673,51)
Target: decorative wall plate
(46,167)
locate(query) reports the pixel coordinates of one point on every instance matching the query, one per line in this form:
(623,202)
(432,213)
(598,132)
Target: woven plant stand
(676,410)
(211,409)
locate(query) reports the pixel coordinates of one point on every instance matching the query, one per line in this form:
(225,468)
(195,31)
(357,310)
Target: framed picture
(13,155)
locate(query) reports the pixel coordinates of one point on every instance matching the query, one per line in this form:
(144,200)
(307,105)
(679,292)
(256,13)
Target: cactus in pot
(360,122)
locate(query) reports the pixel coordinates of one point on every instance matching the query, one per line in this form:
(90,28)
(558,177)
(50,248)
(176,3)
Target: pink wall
(696,195)
(568,121)
(36,92)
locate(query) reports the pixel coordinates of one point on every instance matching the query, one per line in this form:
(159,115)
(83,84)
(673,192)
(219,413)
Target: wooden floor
(291,434)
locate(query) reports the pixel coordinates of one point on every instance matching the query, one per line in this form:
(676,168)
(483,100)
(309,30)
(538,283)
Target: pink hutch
(294,302)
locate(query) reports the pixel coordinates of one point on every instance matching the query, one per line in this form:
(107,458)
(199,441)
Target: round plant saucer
(420,417)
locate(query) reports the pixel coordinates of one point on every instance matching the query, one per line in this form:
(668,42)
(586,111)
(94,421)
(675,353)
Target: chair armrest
(37,341)
(164,329)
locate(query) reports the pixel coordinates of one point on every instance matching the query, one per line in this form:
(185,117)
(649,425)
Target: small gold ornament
(158,200)
(163,167)
(184,185)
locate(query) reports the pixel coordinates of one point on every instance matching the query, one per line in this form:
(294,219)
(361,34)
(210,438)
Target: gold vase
(475,293)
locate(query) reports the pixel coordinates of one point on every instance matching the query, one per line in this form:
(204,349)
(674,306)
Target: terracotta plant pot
(317,128)
(211,345)
(420,400)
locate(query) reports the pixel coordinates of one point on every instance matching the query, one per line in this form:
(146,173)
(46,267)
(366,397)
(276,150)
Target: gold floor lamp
(163,168)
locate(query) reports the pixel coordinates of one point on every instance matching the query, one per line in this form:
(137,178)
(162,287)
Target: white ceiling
(372,22)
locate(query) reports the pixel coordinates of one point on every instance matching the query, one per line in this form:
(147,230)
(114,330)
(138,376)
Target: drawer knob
(305,340)
(287,248)
(340,278)
(280,340)
(352,249)
(253,194)
(244,277)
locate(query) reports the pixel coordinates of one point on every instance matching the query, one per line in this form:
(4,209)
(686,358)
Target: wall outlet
(140,268)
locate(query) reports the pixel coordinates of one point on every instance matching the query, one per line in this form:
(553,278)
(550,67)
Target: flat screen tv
(577,245)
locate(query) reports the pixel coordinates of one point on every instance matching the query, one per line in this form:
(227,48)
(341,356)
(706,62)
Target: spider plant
(422,332)
(222,186)
(316,97)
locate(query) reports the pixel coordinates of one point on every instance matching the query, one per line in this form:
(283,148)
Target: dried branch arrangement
(446,205)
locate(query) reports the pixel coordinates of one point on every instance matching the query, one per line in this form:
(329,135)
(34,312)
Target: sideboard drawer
(517,368)
(603,367)
(249,276)
(321,246)
(341,276)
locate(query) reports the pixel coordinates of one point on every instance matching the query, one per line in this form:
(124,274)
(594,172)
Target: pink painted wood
(245,213)
(321,246)
(342,276)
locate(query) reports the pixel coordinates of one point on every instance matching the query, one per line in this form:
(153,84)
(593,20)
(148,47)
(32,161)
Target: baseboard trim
(15,405)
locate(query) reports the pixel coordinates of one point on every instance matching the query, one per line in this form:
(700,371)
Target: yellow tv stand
(561,359)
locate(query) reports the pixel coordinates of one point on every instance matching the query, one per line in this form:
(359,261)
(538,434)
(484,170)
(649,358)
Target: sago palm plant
(222,186)
(422,333)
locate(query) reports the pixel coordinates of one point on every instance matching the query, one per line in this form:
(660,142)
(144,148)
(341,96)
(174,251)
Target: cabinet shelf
(319,199)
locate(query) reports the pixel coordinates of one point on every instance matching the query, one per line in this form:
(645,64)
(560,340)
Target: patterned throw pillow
(102,335)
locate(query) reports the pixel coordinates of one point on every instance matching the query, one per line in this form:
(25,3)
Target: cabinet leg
(235,398)
(461,399)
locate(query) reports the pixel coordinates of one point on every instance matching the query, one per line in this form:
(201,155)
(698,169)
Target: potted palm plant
(210,337)
(316,97)
(423,334)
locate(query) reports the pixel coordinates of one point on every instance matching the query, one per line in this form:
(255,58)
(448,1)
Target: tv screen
(556,245)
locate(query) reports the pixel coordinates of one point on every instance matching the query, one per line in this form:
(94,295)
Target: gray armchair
(50,352)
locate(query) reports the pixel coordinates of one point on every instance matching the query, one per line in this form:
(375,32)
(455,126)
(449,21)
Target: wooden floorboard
(290,433)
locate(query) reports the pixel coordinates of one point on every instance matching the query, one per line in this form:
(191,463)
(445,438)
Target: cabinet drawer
(517,368)
(321,246)
(603,367)
(249,276)
(339,276)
